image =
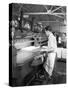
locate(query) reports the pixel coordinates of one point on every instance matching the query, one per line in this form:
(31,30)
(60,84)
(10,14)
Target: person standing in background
(59,41)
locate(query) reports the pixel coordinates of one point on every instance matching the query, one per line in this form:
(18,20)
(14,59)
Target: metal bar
(25,8)
(58,16)
(62,10)
(37,13)
(60,13)
(51,7)
(20,8)
(42,13)
(46,13)
(56,9)
(46,8)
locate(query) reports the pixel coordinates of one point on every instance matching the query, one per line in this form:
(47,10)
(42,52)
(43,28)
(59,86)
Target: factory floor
(25,76)
(32,79)
(59,76)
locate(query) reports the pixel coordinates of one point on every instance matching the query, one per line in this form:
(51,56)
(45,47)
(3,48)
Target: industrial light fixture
(25,16)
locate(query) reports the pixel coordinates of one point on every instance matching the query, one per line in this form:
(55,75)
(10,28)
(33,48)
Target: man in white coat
(51,51)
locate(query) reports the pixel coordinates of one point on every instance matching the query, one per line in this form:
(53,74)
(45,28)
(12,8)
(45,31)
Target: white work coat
(52,44)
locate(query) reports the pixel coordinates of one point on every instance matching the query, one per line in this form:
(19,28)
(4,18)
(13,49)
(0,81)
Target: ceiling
(41,12)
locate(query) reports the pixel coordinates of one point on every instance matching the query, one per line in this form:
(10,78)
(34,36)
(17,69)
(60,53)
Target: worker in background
(59,41)
(64,40)
(51,53)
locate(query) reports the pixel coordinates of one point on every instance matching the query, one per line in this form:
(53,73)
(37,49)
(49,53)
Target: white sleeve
(52,44)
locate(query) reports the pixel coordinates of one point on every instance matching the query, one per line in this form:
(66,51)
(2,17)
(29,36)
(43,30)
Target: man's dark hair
(48,28)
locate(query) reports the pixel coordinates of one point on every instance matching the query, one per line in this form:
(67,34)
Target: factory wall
(56,26)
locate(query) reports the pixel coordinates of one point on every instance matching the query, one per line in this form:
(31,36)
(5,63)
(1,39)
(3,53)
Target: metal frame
(62,14)
(50,11)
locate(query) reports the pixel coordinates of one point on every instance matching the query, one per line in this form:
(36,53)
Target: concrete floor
(58,78)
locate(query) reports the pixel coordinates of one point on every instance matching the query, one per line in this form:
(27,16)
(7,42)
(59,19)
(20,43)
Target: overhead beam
(43,13)
(60,14)
(46,8)
(25,8)
(20,8)
(37,13)
(62,10)
(51,8)
(56,9)
(46,13)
